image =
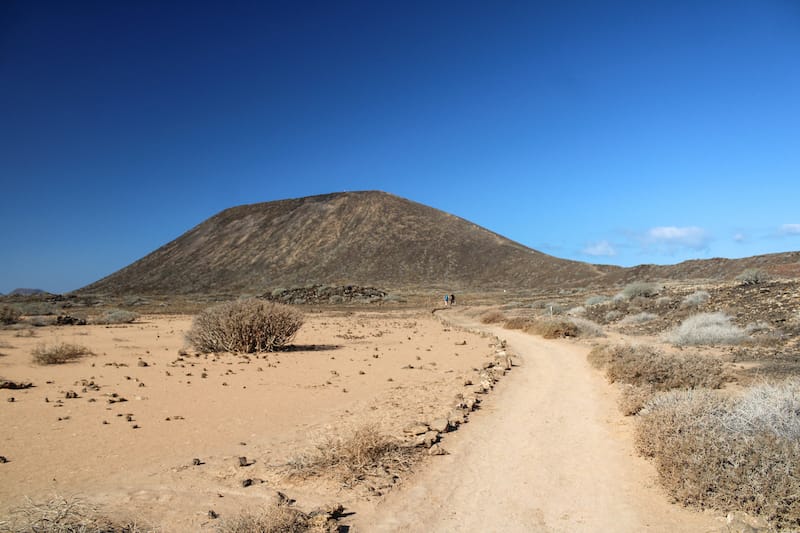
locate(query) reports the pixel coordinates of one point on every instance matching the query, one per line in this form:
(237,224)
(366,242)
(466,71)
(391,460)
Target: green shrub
(706,328)
(728,453)
(58,354)
(752,276)
(247,326)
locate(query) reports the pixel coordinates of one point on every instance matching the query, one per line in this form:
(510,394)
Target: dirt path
(548,452)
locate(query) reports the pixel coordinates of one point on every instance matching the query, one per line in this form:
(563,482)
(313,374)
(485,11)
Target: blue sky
(611,132)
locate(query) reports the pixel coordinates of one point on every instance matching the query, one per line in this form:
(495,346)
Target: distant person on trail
(446,300)
(452,299)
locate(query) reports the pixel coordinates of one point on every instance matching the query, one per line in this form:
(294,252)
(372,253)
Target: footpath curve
(547,452)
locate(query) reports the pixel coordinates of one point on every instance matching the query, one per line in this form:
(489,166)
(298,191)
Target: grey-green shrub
(706,329)
(116,316)
(752,276)
(640,288)
(695,299)
(58,354)
(248,325)
(639,318)
(597,300)
(728,453)
(9,314)
(587,328)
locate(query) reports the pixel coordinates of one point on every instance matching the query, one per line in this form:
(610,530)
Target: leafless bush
(639,318)
(577,311)
(552,328)
(695,299)
(9,314)
(65,515)
(706,328)
(612,315)
(728,453)
(276,518)
(249,325)
(116,316)
(353,457)
(752,276)
(644,365)
(58,353)
(493,317)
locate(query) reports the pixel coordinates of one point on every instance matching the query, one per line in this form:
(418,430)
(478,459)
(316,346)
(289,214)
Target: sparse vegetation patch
(552,328)
(9,314)
(752,276)
(706,328)
(493,317)
(65,515)
(640,288)
(116,316)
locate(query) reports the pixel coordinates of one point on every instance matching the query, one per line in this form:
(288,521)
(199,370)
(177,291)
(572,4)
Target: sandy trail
(548,452)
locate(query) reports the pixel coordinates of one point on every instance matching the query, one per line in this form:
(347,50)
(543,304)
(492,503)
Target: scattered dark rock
(70,395)
(15,385)
(243,461)
(3,459)
(11,399)
(324,294)
(142,363)
(67,320)
(196,462)
(213,514)
(247,482)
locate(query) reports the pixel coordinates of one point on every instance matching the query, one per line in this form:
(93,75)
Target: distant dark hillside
(365,238)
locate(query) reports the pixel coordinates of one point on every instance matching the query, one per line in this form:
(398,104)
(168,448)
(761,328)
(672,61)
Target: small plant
(639,318)
(116,316)
(58,354)
(517,322)
(247,326)
(275,518)
(493,317)
(695,299)
(752,276)
(9,315)
(597,300)
(706,328)
(587,328)
(640,288)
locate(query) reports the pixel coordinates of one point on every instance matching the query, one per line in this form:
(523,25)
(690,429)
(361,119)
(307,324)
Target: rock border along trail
(547,452)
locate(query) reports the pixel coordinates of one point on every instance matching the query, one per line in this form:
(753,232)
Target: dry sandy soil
(548,450)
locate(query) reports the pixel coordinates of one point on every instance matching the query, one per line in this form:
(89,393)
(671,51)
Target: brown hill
(366,238)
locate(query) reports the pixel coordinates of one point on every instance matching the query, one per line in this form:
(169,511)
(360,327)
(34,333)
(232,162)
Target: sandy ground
(548,452)
(135,457)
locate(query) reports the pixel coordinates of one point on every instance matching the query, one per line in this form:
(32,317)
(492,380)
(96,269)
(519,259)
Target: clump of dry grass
(65,515)
(249,325)
(553,328)
(752,276)
(58,354)
(587,328)
(493,317)
(704,329)
(639,318)
(639,289)
(279,517)
(695,299)
(351,458)
(729,453)
(633,398)
(643,365)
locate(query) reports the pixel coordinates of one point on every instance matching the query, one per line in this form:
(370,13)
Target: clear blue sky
(613,132)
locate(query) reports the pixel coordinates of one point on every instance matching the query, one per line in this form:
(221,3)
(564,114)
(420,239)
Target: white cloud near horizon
(790,229)
(673,237)
(600,248)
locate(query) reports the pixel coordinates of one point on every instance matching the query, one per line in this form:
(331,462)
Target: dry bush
(633,398)
(597,300)
(517,322)
(706,328)
(9,314)
(58,353)
(640,288)
(65,515)
(116,316)
(639,318)
(752,276)
(351,458)
(587,328)
(552,328)
(729,453)
(248,326)
(647,366)
(695,299)
(492,317)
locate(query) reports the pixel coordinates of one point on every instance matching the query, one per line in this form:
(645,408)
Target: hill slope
(366,238)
